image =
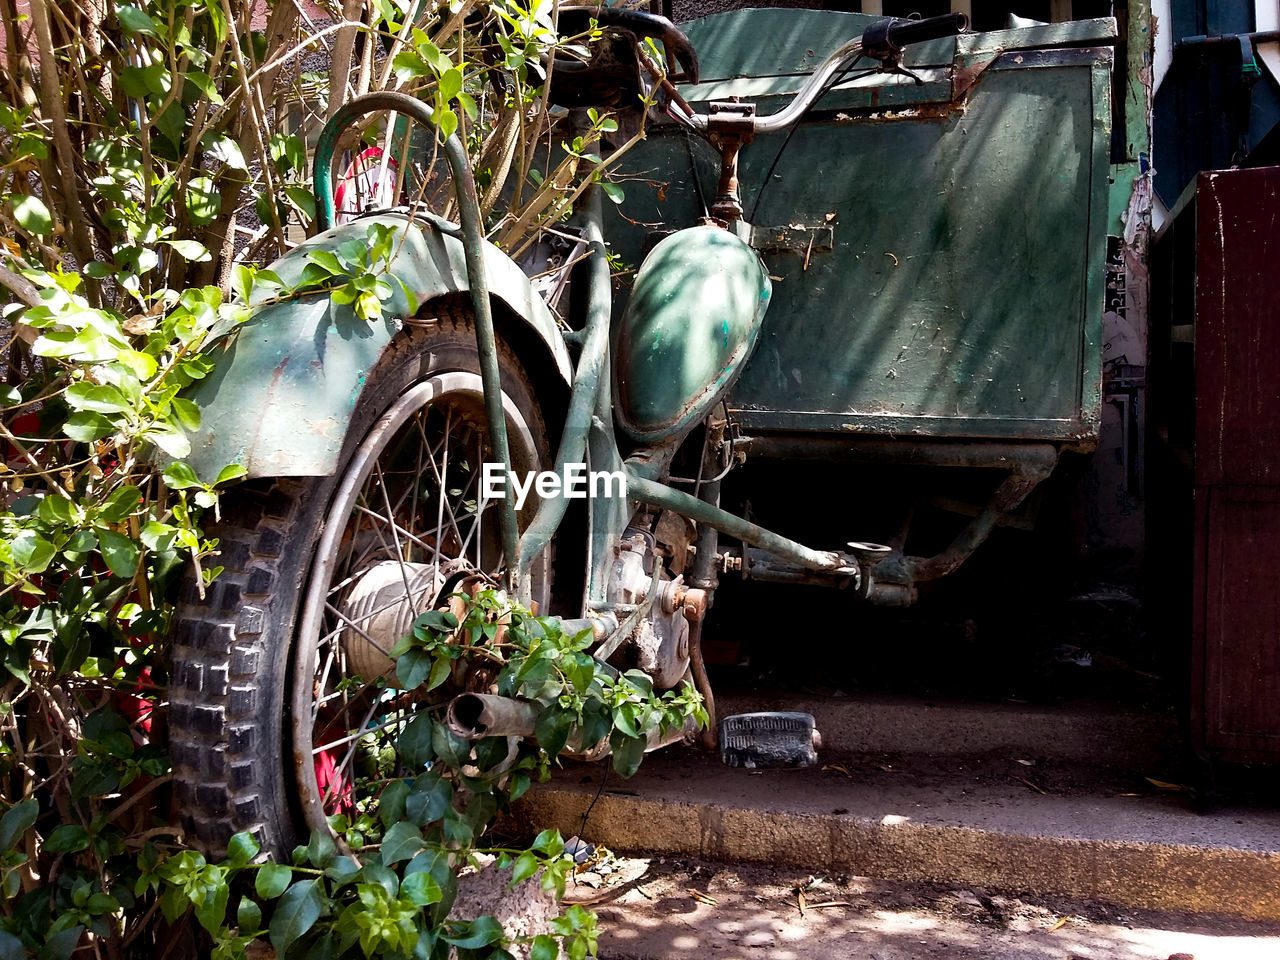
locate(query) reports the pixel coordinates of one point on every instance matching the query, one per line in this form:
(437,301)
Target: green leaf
(272,879)
(526,866)
(232,471)
(16,821)
(480,932)
(241,849)
(343,869)
(429,799)
(61,945)
(169,439)
(295,914)
(11,947)
(135,20)
(219,21)
(87,427)
(171,123)
(31,213)
(203,200)
(213,911)
(401,842)
(328,261)
(552,729)
(157,537)
(320,849)
(204,83)
(68,838)
(414,742)
(449,747)
(548,842)
(627,753)
(612,191)
(439,620)
(133,81)
(55,508)
(119,552)
(391,802)
(447,120)
(303,199)
(226,150)
(450,84)
(31,552)
(187,412)
(97,397)
(441,668)
(180,476)
(288,151)
(248,916)
(412,668)
(409,66)
(190,250)
(420,889)
(143,365)
(120,504)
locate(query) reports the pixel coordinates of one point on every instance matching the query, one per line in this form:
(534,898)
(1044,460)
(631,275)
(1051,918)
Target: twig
(51,100)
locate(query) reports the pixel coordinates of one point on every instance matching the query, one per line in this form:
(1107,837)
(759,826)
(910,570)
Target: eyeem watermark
(576,483)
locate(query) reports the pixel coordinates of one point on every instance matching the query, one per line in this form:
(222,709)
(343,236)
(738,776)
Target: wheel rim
(410,494)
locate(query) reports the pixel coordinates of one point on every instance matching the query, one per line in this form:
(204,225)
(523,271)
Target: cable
(827,88)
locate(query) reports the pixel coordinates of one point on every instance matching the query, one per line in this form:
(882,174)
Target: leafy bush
(153,156)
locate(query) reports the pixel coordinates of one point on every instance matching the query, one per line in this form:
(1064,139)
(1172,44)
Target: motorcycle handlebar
(882,40)
(890,36)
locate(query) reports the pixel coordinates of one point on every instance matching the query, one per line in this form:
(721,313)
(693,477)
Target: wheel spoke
(411,495)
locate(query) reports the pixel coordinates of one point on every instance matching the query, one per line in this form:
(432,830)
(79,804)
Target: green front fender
(283,387)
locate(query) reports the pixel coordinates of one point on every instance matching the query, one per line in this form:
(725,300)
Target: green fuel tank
(691,322)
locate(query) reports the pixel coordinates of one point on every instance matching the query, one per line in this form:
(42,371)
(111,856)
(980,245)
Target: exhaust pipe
(474,716)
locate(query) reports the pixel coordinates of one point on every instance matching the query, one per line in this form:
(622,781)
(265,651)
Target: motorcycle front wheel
(283,703)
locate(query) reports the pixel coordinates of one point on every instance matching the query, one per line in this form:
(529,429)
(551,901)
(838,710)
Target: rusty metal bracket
(730,126)
(793,238)
(968,70)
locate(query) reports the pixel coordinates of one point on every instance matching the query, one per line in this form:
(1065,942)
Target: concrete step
(1095,733)
(1094,834)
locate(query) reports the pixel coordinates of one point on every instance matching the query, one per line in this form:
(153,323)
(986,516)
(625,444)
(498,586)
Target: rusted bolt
(695,604)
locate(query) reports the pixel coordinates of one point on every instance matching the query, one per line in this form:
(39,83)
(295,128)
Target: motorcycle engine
(659,642)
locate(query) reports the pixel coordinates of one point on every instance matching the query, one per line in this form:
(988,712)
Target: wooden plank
(1241,623)
(1237,327)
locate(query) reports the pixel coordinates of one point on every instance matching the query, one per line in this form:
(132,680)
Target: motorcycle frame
(588,434)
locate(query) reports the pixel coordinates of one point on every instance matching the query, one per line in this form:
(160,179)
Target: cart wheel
(284,707)
(367,184)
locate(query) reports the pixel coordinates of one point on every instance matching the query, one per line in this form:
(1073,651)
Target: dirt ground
(714,911)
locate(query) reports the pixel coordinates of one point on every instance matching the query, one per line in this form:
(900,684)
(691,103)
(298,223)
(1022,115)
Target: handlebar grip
(885,39)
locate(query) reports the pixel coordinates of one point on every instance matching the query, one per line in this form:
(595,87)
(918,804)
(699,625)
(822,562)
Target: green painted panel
(962,296)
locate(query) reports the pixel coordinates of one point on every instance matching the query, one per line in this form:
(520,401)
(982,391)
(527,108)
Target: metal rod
(473,244)
(586,382)
(697,666)
(660,495)
(1257,36)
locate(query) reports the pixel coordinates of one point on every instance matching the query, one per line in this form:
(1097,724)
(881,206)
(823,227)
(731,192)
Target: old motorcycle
(892,250)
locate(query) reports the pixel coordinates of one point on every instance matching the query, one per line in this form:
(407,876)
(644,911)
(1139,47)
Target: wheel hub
(379,612)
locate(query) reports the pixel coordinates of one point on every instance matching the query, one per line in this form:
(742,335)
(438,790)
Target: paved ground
(1051,828)
(714,911)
